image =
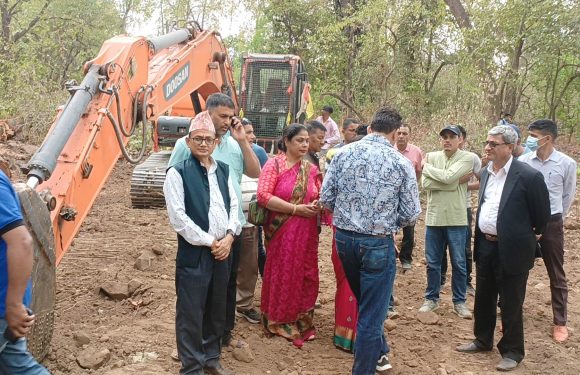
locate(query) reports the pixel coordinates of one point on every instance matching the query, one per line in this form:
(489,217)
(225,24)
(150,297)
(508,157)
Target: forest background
(437,61)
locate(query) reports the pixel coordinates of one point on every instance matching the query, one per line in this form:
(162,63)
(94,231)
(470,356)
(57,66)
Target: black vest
(196,194)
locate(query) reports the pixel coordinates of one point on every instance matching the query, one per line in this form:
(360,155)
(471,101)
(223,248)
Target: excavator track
(147,181)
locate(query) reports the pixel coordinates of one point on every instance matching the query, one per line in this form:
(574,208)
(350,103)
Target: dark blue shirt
(10,218)
(260,154)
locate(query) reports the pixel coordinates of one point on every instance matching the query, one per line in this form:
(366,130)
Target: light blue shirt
(229,152)
(559,172)
(371,188)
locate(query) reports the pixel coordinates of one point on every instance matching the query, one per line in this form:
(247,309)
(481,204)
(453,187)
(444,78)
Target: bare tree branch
(346,103)
(32,23)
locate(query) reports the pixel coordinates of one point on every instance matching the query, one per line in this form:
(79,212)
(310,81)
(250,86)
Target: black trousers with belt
(491,281)
(200,317)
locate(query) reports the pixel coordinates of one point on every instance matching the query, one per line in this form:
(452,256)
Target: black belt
(490,237)
(556,217)
(357,234)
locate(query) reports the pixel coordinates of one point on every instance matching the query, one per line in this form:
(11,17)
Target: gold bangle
(294,210)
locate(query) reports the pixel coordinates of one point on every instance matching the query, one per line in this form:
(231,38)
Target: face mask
(532,142)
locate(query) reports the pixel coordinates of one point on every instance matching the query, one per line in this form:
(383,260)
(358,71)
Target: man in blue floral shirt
(372,190)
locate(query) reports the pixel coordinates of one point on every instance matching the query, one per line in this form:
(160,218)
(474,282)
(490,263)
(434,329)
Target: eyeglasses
(199,140)
(493,144)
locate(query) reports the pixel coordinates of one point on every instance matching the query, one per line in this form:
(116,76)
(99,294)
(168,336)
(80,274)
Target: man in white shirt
(514,208)
(332,136)
(203,209)
(559,172)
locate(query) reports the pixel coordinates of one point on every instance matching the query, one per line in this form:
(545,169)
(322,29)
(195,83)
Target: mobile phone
(9,335)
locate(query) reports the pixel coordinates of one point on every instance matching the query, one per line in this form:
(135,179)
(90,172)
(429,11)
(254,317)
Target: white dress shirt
(219,223)
(559,172)
(492,196)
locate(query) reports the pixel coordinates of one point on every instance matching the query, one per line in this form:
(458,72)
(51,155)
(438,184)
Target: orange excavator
(133,85)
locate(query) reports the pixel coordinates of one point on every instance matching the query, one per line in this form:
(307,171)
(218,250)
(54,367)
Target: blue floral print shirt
(371,188)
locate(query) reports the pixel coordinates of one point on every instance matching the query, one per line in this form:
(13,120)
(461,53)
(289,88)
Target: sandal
(309,334)
(298,343)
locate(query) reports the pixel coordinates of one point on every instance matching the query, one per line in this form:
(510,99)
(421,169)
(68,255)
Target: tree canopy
(462,61)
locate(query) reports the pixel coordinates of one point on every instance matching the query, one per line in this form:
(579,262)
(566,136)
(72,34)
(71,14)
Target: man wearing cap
(514,209)
(446,221)
(234,150)
(332,136)
(559,172)
(203,209)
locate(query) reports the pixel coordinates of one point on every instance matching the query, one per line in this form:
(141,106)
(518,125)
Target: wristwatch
(229,231)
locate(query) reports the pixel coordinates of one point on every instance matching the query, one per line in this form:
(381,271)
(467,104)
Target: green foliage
(35,66)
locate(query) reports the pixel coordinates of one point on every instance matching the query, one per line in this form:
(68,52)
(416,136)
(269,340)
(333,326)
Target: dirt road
(137,334)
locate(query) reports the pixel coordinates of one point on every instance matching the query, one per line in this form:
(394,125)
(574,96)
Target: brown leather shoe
(219,370)
(560,333)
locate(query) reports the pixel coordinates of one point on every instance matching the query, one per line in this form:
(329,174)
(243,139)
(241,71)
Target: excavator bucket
(37,218)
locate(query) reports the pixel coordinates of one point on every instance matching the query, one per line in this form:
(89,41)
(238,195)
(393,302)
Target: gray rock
(243,354)
(429,318)
(115,290)
(133,285)
(145,261)
(158,250)
(81,338)
(92,358)
(390,325)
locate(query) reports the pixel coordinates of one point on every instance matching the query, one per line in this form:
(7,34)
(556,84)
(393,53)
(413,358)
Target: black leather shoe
(219,370)
(471,348)
(506,364)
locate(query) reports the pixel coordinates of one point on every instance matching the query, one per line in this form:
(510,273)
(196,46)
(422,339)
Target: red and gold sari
(290,284)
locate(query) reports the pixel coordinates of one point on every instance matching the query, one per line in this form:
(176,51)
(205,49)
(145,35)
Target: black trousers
(468,252)
(232,286)
(407,244)
(200,316)
(490,282)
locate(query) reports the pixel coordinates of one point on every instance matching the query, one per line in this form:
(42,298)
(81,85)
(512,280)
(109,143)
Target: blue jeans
(15,358)
(370,266)
(436,239)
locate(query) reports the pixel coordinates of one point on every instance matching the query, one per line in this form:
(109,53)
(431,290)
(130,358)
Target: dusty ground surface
(139,332)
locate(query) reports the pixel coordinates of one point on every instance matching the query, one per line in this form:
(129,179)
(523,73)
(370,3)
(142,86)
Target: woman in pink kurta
(289,188)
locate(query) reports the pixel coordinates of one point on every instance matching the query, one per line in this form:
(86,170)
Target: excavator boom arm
(132,79)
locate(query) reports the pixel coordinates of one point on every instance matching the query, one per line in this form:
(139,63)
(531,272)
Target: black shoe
(470,348)
(219,370)
(251,315)
(383,364)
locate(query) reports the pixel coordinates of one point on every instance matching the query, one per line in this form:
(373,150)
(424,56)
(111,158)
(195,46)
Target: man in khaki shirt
(446,222)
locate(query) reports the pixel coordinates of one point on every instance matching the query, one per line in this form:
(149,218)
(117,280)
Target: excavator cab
(270,90)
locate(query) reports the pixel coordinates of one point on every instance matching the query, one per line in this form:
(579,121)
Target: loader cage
(271,86)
